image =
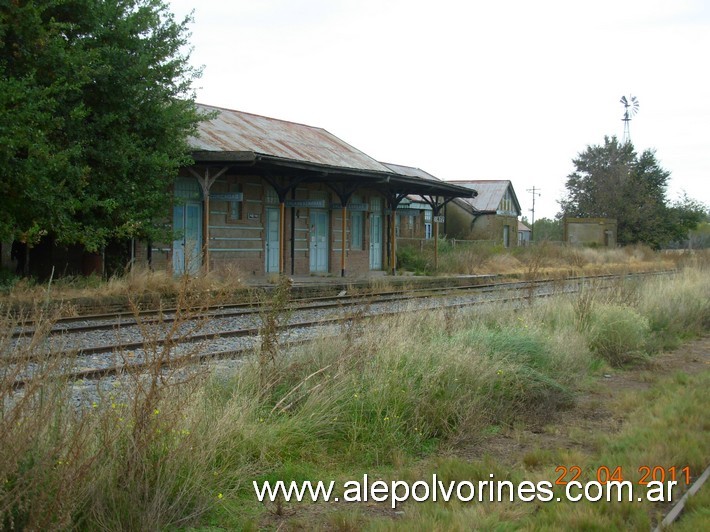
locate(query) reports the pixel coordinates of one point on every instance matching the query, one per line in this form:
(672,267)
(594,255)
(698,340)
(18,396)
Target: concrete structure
(590,231)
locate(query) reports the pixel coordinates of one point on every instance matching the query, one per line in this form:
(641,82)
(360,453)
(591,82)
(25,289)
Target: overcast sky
(471,89)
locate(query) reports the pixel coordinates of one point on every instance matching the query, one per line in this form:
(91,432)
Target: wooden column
(343,241)
(393,241)
(282,234)
(206,183)
(436,244)
(206,228)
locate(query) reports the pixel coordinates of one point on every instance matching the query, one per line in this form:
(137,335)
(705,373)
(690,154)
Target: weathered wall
(487,227)
(590,231)
(458,222)
(237,236)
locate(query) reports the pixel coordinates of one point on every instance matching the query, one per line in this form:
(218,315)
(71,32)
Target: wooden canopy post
(393,200)
(344,192)
(436,244)
(393,241)
(206,183)
(282,191)
(436,208)
(343,240)
(282,233)
(206,228)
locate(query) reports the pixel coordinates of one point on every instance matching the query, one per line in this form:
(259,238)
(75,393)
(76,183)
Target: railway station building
(492,215)
(271,196)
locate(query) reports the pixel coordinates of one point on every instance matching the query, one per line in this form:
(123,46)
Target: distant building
(524,234)
(590,231)
(492,215)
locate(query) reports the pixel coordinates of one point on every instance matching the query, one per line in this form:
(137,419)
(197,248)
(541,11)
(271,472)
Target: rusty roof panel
(235,131)
(490,192)
(410,171)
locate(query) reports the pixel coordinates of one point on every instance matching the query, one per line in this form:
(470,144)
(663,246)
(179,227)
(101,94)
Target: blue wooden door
(319,241)
(187,247)
(375,241)
(272,240)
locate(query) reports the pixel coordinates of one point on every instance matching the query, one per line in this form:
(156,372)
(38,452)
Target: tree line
(612,180)
(96,106)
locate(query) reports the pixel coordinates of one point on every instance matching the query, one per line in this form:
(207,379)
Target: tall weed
(81,455)
(677,308)
(164,446)
(617,334)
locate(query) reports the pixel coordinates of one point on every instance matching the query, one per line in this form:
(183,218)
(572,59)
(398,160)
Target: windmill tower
(631,107)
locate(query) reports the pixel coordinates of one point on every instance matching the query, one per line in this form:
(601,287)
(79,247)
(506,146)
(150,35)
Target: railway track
(93,322)
(233,330)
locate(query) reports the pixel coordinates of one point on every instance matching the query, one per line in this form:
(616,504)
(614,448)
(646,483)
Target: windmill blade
(635,108)
(624,101)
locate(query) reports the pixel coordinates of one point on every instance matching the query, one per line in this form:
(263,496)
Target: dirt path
(598,410)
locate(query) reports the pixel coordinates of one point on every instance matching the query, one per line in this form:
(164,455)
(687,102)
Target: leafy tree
(547,229)
(700,236)
(688,221)
(685,215)
(96,107)
(613,181)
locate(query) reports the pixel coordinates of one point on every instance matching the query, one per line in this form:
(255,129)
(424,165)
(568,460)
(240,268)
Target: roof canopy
(237,139)
(490,194)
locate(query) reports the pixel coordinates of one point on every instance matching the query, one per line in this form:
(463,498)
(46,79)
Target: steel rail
(95,373)
(443,292)
(322,302)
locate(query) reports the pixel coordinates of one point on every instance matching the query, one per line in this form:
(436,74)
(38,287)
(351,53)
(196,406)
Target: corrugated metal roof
(490,192)
(235,131)
(410,171)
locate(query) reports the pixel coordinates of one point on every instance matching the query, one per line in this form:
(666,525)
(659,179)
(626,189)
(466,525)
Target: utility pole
(535,192)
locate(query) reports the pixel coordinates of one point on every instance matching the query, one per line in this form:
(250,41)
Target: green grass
(387,398)
(654,435)
(696,514)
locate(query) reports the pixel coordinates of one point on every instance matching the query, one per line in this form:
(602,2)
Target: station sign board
(407,212)
(353,207)
(227,196)
(306,204)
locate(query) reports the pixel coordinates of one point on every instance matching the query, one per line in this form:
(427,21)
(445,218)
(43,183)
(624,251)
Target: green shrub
(677,308)
(7,278)
(411,259)
(617,334)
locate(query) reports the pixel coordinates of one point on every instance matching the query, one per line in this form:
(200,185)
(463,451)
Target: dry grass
(168,445)
(84,455)
(544,259)
(142,286)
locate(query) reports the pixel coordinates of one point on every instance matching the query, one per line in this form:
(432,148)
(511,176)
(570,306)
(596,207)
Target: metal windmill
(631,107)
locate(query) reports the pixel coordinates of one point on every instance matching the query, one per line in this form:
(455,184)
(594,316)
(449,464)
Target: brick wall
(238,233)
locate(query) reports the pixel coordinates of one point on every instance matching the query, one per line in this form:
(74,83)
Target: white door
(375,241)
(272,240)
(319,241)
(187,248)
